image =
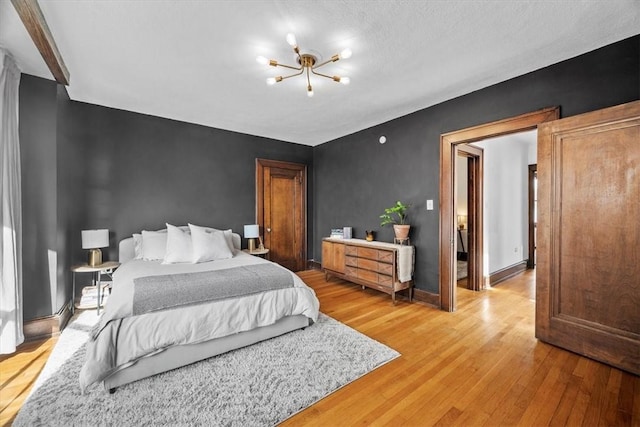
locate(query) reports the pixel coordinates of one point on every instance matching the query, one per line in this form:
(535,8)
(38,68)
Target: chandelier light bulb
(345,80)
(262,60)
(346,54)
(291,39)
(271,81)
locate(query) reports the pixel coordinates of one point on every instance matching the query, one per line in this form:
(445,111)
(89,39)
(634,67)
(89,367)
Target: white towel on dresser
(405,263)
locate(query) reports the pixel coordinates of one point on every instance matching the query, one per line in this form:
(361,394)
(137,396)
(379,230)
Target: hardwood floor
(18,372)
(480,365)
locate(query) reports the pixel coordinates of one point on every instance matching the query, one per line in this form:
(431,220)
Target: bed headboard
(127,252)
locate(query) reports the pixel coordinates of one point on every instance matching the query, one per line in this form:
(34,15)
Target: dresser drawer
(370,276)
(385,268)
(351,250)
(385,280)
(368,253)
(351,261)
(367,264)
(351,271)
(386,256)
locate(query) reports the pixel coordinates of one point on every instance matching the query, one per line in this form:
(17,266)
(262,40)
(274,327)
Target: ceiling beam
(33,20)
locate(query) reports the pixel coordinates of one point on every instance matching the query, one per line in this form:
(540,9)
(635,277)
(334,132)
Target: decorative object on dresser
(94,240)
(386,267)
(400,227)
(337,233)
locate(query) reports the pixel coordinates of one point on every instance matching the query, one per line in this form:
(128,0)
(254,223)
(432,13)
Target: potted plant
(396,215)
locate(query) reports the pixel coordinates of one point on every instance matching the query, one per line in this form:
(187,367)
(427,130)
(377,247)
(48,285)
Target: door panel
(588,281)
(281,211)
(281,240)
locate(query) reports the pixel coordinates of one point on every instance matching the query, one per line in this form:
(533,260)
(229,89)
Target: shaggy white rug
(260,385)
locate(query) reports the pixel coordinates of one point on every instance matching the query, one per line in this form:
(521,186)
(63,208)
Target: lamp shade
(92,239)
(251,231)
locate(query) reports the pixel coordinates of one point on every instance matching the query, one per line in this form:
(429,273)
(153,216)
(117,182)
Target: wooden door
(281,211)
(588,279)
(533,205)
(475,215)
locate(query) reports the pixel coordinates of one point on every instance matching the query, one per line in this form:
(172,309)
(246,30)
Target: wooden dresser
(369,264)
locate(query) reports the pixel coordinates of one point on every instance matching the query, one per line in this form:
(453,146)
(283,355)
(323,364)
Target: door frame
(448,220)
(261,164)
(475,214)
(531,261)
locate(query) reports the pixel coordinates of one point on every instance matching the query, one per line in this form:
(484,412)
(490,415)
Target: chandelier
(307,64)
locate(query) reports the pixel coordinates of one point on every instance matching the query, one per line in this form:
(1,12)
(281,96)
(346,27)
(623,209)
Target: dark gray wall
(72,196)
(356,177)
(86,166)
(141,171)
(37,134)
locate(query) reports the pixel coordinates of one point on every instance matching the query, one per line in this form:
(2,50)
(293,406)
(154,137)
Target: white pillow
(179,246)
(154,244)
(137,245)
(209,244)
(228,235)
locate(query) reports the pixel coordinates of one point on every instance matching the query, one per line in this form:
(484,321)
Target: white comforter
(123,341)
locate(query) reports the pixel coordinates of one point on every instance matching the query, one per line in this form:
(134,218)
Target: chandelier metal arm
(334,78)
(301,70)
(277,64)
(334,58)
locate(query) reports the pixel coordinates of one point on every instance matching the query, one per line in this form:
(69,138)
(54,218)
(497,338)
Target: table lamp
(251,232)
(462,222)
(94,240)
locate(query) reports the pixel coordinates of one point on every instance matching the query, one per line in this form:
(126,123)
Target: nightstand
(97,271)
(264,253)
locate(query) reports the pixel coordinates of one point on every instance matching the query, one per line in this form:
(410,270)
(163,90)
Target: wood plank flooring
(18,372)
(479,366)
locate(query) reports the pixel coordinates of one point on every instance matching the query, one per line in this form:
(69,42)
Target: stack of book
(337,233)
(89,298)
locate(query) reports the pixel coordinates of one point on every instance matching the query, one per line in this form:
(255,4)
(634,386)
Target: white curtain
(11,334)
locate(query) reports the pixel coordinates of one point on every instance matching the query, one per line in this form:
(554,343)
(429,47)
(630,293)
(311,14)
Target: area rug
(259,385)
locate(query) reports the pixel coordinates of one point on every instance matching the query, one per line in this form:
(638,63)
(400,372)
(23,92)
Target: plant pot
(402,231)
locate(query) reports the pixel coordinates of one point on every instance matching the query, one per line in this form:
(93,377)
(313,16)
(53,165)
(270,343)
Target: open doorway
(506,210)
(448,217)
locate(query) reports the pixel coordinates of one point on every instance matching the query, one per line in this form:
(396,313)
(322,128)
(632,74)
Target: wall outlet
(429,205)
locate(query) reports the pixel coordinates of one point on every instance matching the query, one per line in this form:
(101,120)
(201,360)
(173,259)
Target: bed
(134,340)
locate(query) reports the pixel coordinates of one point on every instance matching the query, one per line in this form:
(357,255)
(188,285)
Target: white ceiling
(194,61)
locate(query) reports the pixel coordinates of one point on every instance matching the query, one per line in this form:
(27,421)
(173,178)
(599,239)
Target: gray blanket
(154,293)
